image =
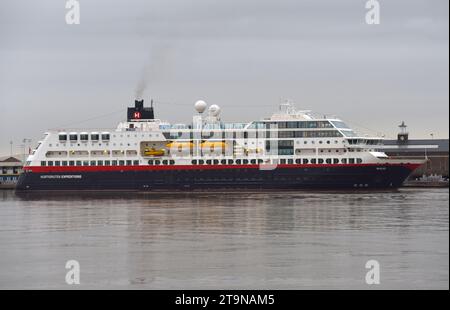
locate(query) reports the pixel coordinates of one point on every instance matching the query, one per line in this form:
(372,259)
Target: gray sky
(242,55)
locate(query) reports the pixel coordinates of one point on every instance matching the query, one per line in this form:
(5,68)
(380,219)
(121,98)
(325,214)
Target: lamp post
(25,141)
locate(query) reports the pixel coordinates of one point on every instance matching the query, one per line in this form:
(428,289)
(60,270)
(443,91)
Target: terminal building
(435,150)
(10,169)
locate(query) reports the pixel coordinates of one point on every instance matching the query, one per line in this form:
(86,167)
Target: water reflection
(287,240)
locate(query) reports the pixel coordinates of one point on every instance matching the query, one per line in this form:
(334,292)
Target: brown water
(274,240)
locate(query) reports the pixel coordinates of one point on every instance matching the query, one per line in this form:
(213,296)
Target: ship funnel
(139,104)
(138,112)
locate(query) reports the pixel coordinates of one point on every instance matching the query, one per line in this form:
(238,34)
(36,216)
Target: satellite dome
(214,110)
(200,106)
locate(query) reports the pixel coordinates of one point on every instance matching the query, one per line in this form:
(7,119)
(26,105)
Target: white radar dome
(200,106)
(214,110)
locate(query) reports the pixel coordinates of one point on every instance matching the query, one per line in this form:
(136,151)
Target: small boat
(213,145)
(180,145)
(153,152)
(253,151)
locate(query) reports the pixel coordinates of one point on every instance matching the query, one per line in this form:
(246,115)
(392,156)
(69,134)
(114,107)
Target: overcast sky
(242,55)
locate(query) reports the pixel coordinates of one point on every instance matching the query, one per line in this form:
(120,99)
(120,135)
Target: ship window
(351,161)
(43,163)
(157,162)
(285,134)
(290,161)
(245,161)
(201,162)
(340,125)
(359,161)
(129,162)
(292,125)
(230,161)
(84,137)
(93,163)
(62,138)
(335,161)
(121,163)
(71,163)
(50,163)
(105,136)
(215,161)
(305,161)
(150,162)
(136,163)
(328,161)
(172,162)
(260,161)
(107,163)
(94,137)
(85,163)
(78,162)
(114,162)
(283,161)
(164,162)
(100,163)
(238,161)
(223,161)
(253,161)
(208,162)
(328,142)
(73,137)
(298,161)
(194,162)
(64,163)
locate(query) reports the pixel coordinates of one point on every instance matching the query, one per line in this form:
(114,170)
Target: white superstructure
(288,137)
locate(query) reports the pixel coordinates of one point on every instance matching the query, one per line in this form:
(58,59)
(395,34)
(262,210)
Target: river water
(224,240)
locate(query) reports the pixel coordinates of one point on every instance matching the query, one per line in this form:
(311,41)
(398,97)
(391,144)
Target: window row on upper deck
(83,137)
(309,134)
(291,124)
(255,134)
(264,125)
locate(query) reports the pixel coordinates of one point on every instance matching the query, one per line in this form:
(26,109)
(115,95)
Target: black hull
(336,177)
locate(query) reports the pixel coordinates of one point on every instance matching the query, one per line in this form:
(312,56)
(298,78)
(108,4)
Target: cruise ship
(291,150)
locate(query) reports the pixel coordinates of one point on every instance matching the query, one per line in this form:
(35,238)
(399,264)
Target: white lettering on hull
(77,176)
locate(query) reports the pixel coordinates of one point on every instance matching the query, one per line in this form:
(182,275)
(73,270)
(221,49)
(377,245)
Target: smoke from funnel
(157,67)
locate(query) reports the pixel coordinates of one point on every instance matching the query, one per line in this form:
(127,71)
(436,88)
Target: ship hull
(148,178)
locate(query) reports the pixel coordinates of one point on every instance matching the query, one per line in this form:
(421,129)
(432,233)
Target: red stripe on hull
(45,169)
